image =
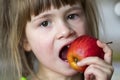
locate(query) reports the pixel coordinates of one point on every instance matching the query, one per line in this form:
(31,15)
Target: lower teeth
(66,60)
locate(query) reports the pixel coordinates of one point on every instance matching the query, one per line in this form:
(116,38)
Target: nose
(65,32)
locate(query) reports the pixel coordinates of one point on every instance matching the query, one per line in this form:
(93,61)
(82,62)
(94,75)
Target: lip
(68,43)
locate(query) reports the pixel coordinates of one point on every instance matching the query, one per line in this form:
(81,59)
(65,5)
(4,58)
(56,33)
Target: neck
(46,74)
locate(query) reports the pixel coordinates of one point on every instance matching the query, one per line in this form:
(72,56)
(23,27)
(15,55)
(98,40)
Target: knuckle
(97,59)
(112,69)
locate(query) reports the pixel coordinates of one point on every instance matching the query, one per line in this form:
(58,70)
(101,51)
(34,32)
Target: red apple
(84,46)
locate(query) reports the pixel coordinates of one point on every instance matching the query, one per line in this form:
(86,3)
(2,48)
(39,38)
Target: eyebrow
(44,15)
(74,8)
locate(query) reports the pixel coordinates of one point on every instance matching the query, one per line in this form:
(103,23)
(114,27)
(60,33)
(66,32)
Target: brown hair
(13,18)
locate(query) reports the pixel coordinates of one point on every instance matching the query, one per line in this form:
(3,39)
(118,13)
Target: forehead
(39,6)
(53,11)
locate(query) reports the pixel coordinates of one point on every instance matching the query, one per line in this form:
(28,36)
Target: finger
(98,63)
(107,50)
(108,69)
(96,73)
(92,60)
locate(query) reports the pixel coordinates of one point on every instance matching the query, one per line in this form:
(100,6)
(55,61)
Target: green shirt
(23,78)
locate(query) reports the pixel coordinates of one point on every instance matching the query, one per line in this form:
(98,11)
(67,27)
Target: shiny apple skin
(82,47)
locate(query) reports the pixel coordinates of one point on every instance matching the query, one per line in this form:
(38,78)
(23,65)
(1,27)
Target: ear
(26,45)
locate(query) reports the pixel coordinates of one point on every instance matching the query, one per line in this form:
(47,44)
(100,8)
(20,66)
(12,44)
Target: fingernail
(79,63)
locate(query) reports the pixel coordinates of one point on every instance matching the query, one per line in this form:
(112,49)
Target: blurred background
(110,13)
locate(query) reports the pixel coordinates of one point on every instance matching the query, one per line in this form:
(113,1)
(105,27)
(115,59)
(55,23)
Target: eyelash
(73,16)
(45,23)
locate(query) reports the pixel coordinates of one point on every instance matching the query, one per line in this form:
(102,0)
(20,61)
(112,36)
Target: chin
(69,73)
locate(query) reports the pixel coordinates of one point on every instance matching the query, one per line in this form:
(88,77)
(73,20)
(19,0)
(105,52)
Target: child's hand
(98,69)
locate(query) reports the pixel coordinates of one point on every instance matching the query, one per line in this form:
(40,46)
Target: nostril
(65,34)
(72,32)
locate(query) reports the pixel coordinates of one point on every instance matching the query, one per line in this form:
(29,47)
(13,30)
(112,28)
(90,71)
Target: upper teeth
(68,46)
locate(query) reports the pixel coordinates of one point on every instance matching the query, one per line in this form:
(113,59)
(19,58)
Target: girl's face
(49,34)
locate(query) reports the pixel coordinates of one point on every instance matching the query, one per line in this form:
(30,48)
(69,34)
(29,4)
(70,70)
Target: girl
(42,30)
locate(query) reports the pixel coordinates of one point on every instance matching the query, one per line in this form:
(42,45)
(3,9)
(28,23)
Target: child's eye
(72,16)
(45,23)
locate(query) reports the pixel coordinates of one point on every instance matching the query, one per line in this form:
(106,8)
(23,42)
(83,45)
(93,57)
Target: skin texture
(48,32)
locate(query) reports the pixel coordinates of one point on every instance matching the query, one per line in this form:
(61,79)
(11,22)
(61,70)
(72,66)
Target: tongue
(63,53)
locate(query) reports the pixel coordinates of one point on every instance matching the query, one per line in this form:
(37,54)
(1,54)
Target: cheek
(41,48)
(43,53)
(81,28)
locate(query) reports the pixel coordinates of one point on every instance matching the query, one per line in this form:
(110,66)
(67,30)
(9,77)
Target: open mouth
(63,53)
